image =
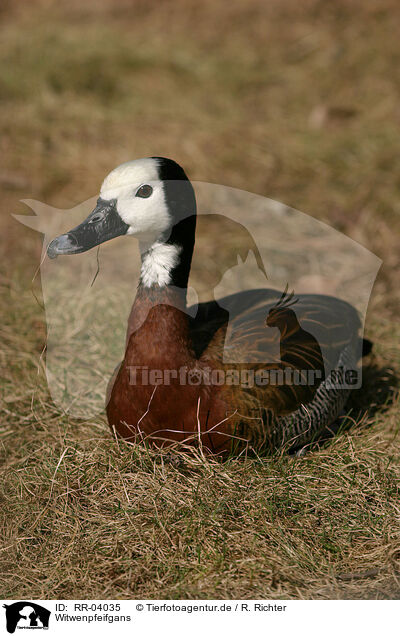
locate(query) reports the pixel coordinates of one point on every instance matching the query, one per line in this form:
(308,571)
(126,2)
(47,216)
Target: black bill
(103,224)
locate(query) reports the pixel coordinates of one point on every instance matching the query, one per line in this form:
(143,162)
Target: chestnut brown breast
(159,394)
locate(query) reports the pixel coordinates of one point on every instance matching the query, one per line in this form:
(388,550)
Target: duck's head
(147,198)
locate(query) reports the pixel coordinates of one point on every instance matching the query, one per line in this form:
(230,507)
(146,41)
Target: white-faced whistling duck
(153,200)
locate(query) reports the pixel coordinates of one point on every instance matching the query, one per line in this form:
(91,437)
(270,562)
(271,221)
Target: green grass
(298,104)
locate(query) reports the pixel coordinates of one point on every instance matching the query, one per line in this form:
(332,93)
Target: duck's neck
(166,263)
(163,284)
(166,260)
(160,303)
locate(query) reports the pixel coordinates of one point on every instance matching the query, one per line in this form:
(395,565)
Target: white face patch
(148,217)
(157,264)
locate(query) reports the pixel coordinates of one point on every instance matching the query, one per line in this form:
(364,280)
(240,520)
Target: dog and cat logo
(26,615)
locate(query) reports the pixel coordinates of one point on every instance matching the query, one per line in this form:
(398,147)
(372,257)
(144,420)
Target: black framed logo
(26,615)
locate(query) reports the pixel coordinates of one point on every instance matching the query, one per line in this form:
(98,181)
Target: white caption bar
(191,617)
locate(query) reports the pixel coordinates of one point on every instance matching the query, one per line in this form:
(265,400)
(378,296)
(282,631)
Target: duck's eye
(144,191)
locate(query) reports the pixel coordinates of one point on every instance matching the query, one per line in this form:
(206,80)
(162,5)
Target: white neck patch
(157,264)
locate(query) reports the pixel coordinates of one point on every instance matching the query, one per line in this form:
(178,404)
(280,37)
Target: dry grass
(297,101)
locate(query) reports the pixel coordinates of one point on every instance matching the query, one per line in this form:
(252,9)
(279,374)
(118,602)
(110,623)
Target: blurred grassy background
(295,101)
